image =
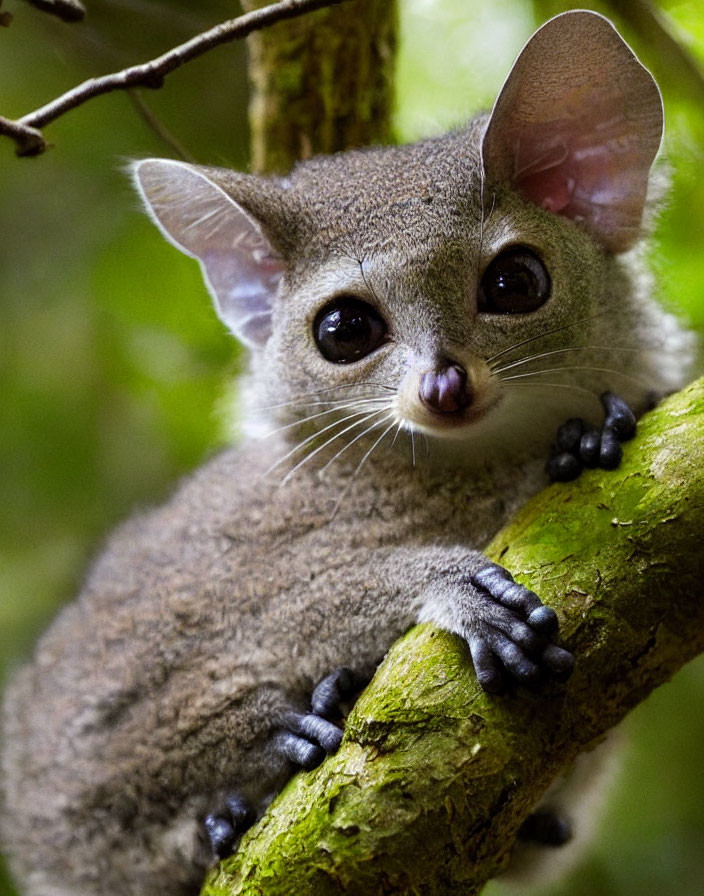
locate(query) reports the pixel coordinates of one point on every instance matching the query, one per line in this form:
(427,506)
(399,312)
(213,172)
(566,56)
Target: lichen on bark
(434,777)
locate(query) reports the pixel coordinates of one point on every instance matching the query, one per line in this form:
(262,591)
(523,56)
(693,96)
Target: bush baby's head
(410,288)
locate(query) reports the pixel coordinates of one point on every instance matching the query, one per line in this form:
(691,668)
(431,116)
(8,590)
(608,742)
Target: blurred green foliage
(114,368)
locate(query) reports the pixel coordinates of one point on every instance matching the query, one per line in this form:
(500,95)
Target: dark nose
(446,389)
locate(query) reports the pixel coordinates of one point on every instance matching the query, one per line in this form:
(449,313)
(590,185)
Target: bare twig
(68,10)
(30,141)
(162,132)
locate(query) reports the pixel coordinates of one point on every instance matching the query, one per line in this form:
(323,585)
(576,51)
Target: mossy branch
(434,777)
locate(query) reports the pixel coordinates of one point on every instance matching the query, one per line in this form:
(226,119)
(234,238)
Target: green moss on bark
(434,776)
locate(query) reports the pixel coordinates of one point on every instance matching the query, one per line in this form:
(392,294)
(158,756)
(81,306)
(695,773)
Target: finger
(298,750)
(619,417)
(315,729)
(487,668)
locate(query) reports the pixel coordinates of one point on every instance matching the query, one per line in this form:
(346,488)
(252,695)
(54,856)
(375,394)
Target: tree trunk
(321,83)
(434,776)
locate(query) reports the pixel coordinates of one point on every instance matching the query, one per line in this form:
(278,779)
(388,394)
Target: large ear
(576,127)
(239,264)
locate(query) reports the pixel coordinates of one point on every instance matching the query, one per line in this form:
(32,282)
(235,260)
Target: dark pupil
(347,330)
(516,281)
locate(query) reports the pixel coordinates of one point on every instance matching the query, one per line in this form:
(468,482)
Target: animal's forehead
(421,193)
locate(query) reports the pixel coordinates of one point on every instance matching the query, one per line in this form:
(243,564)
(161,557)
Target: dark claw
(579,445)
(501,586)
(332,691)
(559,661)
(619,417)
(298,750)
(221,834)
(569,435)
(242,815)
(521,634)
(223,830)
(315,729)
(490,575)
(590,447)
(308,738)
(547,828)
(563,467)
(489,674)
(514,642)
(515,661)
(544,620)
(611,452)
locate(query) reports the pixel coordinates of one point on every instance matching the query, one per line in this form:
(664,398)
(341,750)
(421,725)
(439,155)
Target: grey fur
(205,622)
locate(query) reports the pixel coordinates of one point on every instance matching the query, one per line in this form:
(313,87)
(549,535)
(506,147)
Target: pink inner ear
(549,184)
(590,171)
(576,127)
(239,264)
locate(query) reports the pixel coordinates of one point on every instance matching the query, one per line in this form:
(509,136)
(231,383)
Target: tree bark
(434,776)
(321,83)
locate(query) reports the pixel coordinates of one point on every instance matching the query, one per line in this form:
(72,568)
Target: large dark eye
(515,282)
(348,329)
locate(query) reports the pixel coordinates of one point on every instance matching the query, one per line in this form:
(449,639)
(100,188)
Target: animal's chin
(457,425)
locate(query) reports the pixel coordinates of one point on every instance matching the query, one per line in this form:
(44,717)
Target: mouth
(449,425)
(445,403)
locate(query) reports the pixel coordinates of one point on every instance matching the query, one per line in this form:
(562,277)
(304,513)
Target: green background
(116,376)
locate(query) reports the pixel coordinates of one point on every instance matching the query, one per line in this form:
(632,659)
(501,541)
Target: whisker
(342,403)
(306,398)
(364,459)
(570,386)
(329,441)
(559,329)
(561,351)
(611,370)
(398,430)
(427,445)
(369,286)
(312,437)
(360,404)
(350,444)
(413,447)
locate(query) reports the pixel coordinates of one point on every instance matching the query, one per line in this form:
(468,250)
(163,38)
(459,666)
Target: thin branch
(30,141)
(155,125)
(67,10)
